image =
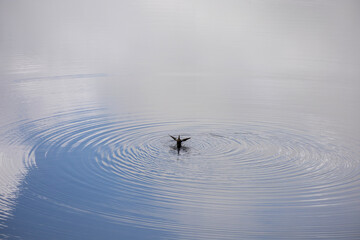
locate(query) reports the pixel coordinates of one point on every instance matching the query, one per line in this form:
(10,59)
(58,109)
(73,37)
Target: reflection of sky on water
(30,100)
(114,78)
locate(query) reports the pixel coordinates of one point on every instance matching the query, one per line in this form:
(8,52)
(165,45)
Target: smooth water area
(268,91)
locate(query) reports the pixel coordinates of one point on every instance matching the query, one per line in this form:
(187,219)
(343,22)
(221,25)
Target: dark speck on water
(179,142)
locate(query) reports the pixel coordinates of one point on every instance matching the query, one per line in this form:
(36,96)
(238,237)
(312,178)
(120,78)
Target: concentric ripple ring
(127,170)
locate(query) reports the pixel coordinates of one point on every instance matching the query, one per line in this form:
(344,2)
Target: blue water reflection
(96,176)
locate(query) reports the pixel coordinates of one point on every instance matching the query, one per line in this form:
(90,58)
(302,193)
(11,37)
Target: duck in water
(179,141)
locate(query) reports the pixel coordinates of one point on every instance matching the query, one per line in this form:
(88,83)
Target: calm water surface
(268,91)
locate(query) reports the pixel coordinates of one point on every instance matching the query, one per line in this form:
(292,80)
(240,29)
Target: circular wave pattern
(128,171)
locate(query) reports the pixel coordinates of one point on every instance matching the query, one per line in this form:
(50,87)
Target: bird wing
(183,140)
(172,137)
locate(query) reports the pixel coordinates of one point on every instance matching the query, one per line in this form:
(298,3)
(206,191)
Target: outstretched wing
(183,140)
(172,137)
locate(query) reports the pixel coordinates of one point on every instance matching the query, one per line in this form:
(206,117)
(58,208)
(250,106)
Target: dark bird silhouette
(179,141)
